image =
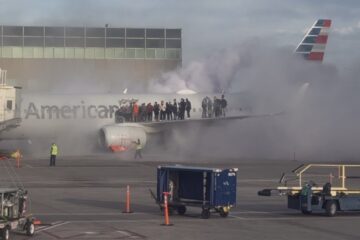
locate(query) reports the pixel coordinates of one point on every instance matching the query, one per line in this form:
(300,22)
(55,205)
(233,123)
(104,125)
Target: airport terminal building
(46,58)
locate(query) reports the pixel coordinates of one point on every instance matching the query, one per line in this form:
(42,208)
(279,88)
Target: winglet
(312,47)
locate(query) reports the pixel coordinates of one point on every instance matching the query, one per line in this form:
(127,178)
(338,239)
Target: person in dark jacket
(209,107)
(182,106)
(188,107)
(204,107)
(149,112)
(175,109)
(223,105)
(156,111)
(168,110)
(216,107)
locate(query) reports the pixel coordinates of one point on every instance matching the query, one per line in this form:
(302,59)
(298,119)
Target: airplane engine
(121,138)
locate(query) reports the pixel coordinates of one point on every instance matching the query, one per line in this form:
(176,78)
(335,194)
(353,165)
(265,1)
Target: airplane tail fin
(312,47)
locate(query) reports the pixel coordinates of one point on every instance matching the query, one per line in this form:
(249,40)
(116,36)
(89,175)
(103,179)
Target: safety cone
(166,210)
(127,205)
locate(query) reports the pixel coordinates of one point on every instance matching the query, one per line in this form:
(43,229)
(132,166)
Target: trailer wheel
(223,213)
(30,229)
(331,208)
(5,233)
(205,214)
(181,210)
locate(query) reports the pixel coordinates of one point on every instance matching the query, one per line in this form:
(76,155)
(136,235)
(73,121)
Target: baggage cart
(212,189)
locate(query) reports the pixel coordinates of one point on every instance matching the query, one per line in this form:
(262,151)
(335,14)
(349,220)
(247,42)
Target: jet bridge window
(9,105)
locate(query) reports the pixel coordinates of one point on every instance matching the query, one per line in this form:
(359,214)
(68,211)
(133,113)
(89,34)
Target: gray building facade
(48,58)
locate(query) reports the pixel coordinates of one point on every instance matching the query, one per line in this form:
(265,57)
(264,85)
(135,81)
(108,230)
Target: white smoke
(320,108)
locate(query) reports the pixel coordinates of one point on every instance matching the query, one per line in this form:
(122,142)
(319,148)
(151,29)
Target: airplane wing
(170,124)
(119,137)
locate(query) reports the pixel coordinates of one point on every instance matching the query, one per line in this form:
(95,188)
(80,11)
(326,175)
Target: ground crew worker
(138,148)
(17,156)
(53,154)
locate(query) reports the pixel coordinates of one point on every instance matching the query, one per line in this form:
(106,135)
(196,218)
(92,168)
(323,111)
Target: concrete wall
(84,75)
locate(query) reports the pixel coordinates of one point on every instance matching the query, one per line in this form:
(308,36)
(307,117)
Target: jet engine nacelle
(120,137)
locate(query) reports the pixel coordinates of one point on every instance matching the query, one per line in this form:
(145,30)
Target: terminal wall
(79,75)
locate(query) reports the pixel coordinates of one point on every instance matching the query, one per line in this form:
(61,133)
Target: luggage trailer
(208,188)
(13,214)
(337,193)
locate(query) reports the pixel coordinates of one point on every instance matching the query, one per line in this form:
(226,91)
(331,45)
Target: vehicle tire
(5,233)
(331,208)
(205,214)
(30,229)
(306,212)
(223,213)
(181,210)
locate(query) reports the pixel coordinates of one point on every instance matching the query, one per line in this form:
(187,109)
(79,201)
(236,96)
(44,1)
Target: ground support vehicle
(335,192)
(209,188)
(13,214)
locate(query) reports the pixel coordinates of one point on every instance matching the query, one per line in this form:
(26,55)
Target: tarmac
(84,198)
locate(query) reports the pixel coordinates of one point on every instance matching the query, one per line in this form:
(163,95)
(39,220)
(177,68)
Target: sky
(207,25)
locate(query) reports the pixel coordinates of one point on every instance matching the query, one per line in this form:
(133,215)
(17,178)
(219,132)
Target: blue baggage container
(208,188)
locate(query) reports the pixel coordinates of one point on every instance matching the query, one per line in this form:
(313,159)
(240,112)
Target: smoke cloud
(320,110)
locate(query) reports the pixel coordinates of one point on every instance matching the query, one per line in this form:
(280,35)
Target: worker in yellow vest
(17,156)
(138,148)
(53,154)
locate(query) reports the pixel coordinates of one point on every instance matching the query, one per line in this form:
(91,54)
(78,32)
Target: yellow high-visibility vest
(16,155)
(54,149)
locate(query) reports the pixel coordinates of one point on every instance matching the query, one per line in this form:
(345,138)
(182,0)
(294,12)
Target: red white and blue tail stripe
(312,47)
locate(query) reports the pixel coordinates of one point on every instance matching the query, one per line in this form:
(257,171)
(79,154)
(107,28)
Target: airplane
(97,111)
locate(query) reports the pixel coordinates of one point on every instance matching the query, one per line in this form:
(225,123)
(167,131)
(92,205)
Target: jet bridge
(9,104)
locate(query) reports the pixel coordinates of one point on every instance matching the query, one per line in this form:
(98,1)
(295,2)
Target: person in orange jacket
(135,112)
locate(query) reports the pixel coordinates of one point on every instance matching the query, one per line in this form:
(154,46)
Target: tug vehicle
(328,188)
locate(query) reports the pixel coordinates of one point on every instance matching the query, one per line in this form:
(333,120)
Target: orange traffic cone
(127,205)
(166,210)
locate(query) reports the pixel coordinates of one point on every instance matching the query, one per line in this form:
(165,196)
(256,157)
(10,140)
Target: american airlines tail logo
(81,110)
